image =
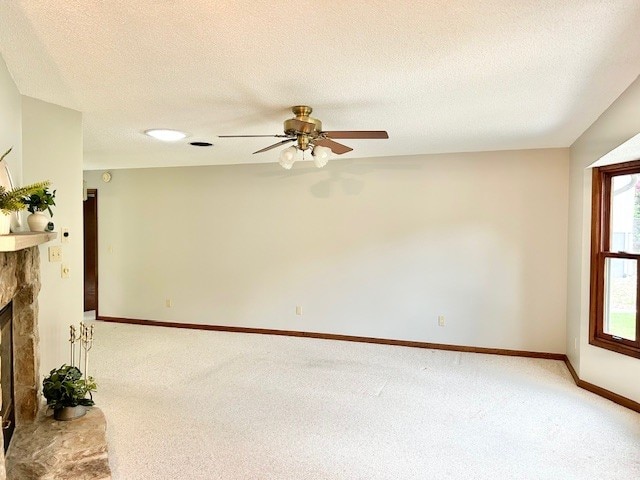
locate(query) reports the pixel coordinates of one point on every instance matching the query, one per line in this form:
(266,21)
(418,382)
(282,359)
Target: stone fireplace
(20,284)
(41,447)
(6,377)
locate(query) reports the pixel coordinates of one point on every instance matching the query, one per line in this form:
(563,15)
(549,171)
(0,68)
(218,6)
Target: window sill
(615,347)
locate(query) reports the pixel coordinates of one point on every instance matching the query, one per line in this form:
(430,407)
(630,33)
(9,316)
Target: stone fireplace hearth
(20,283)
(41,447)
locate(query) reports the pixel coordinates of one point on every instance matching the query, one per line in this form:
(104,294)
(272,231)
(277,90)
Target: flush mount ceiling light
(166,135)
(307,132)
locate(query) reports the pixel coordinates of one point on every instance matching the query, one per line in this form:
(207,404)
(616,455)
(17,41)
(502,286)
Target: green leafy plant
(65,387)
(11,200)
(40,200)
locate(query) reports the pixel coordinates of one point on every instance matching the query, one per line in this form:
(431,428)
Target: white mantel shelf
(17,241)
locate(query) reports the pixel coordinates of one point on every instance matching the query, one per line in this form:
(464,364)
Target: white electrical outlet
(65,235)
(168,303)
(64,271)
(441,320)
(298,310)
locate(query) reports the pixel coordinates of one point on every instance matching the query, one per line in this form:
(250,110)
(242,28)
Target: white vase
(5,223)
(38,222)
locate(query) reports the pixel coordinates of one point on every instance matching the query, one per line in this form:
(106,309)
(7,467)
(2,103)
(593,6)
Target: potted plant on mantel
(66,392)
(11,201)
(37,203)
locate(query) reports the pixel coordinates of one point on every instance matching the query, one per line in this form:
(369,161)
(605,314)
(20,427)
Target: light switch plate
(55,254)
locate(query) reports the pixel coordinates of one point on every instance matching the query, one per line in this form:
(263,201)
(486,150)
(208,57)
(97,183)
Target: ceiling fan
(307,134)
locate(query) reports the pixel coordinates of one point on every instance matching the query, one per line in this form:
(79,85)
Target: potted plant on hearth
(66,392)
(37,203)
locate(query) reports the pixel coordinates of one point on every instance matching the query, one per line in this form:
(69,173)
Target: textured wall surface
(610,370)
(52,150)
(370,247)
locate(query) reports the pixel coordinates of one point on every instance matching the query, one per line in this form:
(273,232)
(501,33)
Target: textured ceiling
(439,76)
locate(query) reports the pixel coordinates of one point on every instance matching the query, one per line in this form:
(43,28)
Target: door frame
(93,192)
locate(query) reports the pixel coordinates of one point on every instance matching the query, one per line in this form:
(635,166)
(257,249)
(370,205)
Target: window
(615,259)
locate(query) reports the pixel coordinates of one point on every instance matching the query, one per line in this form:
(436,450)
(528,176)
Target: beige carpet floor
(184,404)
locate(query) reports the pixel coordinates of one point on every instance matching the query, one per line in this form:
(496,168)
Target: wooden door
(91,251)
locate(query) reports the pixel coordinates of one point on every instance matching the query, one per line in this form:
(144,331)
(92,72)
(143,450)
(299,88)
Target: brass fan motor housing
(301,110)
(307,133)
(292,126)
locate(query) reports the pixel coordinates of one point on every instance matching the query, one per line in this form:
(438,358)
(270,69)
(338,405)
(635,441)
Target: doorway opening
(90,216)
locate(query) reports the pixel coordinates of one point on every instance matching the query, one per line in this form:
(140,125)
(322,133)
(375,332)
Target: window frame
(600,251)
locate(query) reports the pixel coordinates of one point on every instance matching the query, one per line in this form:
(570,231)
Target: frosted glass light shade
(166,135)
(320,155)
(288,157)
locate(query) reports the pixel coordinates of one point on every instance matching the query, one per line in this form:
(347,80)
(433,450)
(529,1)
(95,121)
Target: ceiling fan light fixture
(288,157)
(320,155)
(307,133)
(166,135)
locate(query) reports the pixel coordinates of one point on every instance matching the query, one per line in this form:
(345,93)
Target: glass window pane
(625,214)
(621,287)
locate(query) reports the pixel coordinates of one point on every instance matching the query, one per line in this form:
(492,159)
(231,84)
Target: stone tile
(27,404)
(28,272)
(26,295)
(8,280)
(25,319)
(49,449)
(24,363)
(20,281)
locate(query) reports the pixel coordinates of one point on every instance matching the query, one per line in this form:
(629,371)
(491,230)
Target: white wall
(607,369)
(10,123)
(52,150)
(372,247)
(47,144)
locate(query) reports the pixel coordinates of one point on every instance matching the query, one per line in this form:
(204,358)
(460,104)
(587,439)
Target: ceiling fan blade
(275,145)
(357,134)
(249,136)
(301,126)
(335,147)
